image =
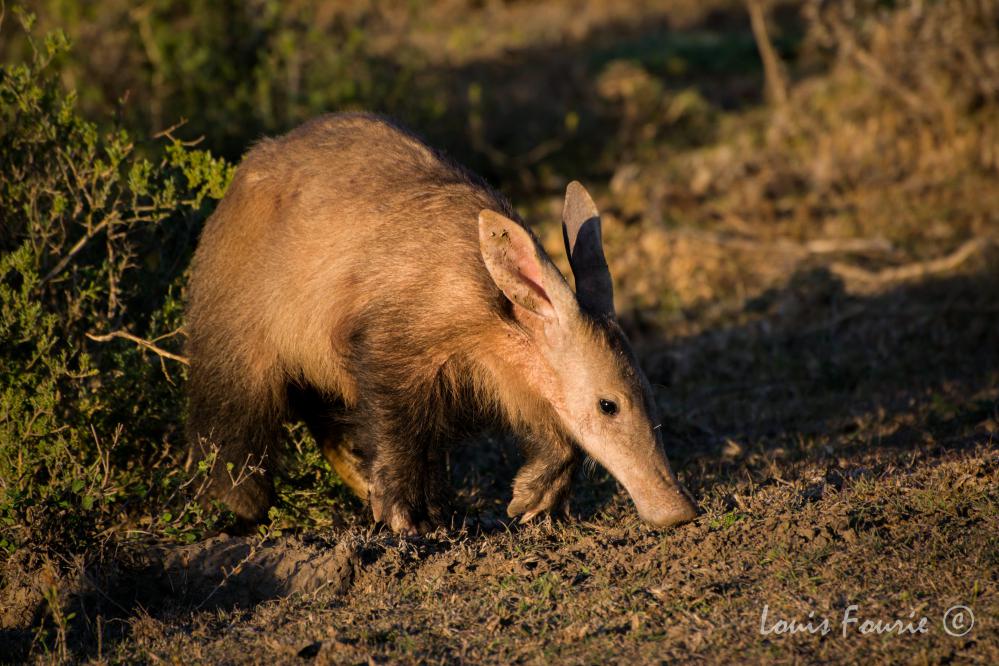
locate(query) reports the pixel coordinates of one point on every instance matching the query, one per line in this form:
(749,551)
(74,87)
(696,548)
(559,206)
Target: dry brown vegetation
(813,284)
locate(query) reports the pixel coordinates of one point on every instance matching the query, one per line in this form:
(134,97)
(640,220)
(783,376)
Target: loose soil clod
(242,571)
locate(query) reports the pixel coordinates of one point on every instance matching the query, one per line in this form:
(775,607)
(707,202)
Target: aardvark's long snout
(670,504)
(658,495)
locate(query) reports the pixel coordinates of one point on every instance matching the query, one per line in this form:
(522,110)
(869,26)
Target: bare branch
(168,134)
(859,55)
(919,269)
(177,331)
(857,245)
(142,343)
(772,70)
(99,227)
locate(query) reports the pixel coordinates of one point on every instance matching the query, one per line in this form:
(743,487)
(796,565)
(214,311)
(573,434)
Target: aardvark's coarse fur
(356,279)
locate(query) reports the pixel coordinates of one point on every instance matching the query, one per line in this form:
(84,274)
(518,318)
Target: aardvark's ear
(511,257)
(583,244)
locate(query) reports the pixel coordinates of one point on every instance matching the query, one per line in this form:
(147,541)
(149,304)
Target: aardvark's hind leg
(327,420)
(347,463)
(241,428)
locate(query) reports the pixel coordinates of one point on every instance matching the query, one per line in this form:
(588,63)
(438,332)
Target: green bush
(234,70)
(94,239)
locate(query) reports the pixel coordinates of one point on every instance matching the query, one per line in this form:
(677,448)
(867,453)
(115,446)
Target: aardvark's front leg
(544,483)
(408,486)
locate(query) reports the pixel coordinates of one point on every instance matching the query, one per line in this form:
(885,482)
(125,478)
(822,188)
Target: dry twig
(776,85)
(919,269)
(142,343)
(79,245)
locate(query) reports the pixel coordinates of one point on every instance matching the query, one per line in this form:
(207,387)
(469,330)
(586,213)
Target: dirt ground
(829,369)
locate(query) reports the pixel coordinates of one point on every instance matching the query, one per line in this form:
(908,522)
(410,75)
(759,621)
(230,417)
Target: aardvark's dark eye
(608,407)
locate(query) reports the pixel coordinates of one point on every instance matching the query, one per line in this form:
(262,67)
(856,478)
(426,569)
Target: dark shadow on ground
(166,581)
(811,371)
